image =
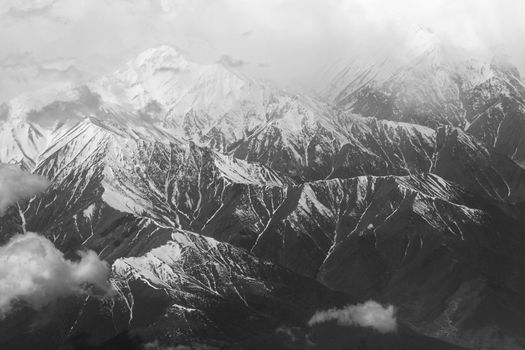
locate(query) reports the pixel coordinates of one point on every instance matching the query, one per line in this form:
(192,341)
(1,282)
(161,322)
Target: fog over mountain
(269,37)
(278,174)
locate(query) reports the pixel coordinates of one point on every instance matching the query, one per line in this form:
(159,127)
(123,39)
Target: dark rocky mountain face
(229,222)
(189,290)
(341,146)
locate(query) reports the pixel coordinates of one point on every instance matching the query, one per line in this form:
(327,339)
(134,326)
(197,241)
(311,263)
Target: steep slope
(340,146)
(31,121)
(109,177)
(21,143)
(430,220)
(106,180)
(197,292)
(163,95)
(427,87)
(211,103)
(438,85)
(189,290)
(366,146)
(124,195)
(499,122)
(450,261)
(217,106)
(464,160)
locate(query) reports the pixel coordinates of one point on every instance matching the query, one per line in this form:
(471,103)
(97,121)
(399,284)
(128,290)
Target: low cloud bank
(16,184)
(368,314)
(36,273)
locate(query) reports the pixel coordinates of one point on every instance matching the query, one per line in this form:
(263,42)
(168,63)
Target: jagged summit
(164,80)
(426,80)
(413,52)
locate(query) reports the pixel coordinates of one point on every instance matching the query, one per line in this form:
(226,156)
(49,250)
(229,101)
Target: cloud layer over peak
(34,272)
(16,184)
(291,39)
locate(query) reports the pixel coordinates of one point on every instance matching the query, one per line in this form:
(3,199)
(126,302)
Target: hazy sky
(285,38)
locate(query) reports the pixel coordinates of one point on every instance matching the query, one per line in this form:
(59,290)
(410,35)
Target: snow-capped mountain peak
(165,76)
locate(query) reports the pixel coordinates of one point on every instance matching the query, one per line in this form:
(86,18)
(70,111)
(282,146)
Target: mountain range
(231,210)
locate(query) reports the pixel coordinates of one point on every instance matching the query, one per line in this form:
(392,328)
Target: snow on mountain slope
(430,86)
(188,95)
(163,75)
(20,143)
(195,292)
(343,77)
(126,176)
(157,186)
(339,145)
(166,144)
(30,121)
(439,253)
(461,158)
(188,290)
(209,104)
(163,95)
(320,214)
(217,106)
(438,84)
(123,179)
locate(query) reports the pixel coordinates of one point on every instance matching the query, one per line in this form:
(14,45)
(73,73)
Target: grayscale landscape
(281,174)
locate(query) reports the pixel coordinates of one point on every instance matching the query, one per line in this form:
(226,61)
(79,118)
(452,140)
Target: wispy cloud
(34,272)
(58,111)
(16,184)
(369,314)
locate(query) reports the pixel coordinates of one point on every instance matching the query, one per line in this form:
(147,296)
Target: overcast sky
(285,38)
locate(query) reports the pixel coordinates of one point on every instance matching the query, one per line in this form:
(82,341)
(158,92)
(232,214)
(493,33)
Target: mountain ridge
(215,195)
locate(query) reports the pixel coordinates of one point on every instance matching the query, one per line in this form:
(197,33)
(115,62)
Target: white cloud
(369,314)
(34,272)
(16,184)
